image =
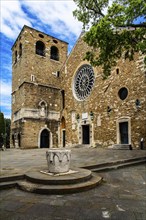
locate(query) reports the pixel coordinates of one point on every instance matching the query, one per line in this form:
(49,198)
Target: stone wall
(39,80)
(105,126)
(30,63)
(30,132)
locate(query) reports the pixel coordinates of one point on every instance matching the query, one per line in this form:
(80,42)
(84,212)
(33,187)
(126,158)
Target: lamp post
(78,118)
(91,116)
(109,109)
(137,104)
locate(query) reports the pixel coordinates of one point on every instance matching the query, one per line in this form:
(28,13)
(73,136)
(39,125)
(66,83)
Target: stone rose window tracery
(83,82)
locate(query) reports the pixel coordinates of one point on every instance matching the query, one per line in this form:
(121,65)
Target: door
(124,132)
(63,133)
(85,134)
(19,140)
(44,141)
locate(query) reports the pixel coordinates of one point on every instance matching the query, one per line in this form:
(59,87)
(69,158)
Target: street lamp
(78,118)
(137,104)
(91,115)
(109,109)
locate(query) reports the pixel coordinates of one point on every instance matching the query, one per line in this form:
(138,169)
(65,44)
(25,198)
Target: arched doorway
(45,139)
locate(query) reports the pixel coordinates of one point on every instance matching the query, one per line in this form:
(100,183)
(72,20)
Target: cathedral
(60,100)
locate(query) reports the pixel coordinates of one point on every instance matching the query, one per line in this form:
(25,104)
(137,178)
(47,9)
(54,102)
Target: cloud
(55,14)
(12,18)
(5,99)
(53,17)
(6,88)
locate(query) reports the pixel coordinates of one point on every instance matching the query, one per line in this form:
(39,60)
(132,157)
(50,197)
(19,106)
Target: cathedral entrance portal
(45,139)
(85,134)
(123,127)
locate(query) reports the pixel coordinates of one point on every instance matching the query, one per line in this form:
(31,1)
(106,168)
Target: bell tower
(36,94)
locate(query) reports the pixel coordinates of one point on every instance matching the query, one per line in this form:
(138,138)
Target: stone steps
(8,185)
(120,147)
(60,189)
(38,182)
(81,180)
(76,175)
(116,164)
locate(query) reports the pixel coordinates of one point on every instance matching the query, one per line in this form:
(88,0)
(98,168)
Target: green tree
(2,130)
(8,126)
(113,29)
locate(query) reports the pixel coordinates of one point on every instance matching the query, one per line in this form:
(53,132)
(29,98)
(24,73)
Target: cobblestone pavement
(16,161)
(121,196)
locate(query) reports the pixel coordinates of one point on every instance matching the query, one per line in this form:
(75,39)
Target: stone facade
(36,91)
(113,113)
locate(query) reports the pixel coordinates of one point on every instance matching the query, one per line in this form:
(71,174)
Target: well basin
(58,160)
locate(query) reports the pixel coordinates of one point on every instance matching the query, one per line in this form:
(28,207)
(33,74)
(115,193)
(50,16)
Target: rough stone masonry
(62,101)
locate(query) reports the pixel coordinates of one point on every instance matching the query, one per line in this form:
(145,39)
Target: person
(130,147)
(141,143)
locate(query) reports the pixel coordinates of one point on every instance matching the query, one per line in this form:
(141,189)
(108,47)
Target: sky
(54,17)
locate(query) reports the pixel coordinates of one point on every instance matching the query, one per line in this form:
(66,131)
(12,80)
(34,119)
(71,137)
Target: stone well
(58,160)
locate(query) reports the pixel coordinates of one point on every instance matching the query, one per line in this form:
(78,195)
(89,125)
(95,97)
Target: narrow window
(117,70)
(40,48)
(63,98)
(54,54)
(20,50)
(32,78)
(58,73)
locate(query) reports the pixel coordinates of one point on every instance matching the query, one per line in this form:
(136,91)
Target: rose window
(83,82)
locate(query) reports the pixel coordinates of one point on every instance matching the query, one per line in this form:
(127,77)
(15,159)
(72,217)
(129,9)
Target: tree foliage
(8,126)
(2,129)
(5,124)
(114,28)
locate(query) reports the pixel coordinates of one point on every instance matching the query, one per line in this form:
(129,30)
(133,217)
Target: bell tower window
(40,48)
(54,54)
(63,98)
